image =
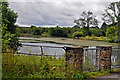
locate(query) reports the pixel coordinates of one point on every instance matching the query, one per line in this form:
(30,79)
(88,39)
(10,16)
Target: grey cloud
(52,13)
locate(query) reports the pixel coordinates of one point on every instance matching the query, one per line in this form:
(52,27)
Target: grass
(94,38)
(115,70)
(22,66)
(89,75)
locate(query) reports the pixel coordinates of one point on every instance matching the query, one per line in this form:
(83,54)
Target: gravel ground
(112,76)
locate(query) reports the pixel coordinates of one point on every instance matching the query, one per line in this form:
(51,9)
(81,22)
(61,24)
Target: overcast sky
(46,13)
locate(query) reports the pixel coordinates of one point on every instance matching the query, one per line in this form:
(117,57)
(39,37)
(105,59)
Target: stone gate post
(74,55)
(105,56)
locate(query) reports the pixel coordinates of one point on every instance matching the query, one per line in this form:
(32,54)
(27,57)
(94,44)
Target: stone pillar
(105,57)
(74,57)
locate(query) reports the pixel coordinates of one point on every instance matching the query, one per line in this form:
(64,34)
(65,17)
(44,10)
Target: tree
(37,31)
(112,13)
(52,32)
(76,26)
(97,32)
(86,20)
(58,32)
(104,26)
(9,35)
(112,16)
(110,33)
(32,26)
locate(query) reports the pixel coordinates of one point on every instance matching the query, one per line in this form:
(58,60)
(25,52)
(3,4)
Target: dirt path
(112,76)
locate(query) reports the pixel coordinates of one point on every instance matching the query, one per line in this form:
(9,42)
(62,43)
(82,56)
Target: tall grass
(22,66)
(29,66)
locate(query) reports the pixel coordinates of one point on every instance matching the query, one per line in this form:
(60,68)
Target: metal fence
(91,59)
(91,56)
(115,58)
(40,50)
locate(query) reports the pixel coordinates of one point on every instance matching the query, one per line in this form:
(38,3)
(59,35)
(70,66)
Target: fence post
(41,53)
(74,54)
(41,56)
(105,56)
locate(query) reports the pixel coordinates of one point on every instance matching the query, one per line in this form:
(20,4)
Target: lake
(46,50)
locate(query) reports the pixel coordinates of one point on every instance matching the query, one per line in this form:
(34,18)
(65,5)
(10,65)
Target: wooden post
(74,56)
(105,56)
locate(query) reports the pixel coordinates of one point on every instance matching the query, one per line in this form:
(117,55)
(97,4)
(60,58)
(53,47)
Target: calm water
(46,50)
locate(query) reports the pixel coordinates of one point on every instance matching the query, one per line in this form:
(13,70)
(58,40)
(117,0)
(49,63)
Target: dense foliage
(45,32)
(110,32)
(9,35)
(97,32)
(58,32)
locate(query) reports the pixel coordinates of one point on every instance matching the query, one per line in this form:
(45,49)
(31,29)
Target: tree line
(59,32)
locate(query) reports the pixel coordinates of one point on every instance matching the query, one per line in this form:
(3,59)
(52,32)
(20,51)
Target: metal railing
(91,59)
(41,50)
(91,56)
(115,58)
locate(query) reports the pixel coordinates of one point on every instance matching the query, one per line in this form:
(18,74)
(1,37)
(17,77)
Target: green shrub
(79,76)
(77,34)
(36,31)
(45,34)
(90,38)
(110,32)
(93,35)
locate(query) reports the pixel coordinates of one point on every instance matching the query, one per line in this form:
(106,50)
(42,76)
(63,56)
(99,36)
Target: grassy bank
(22,66)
